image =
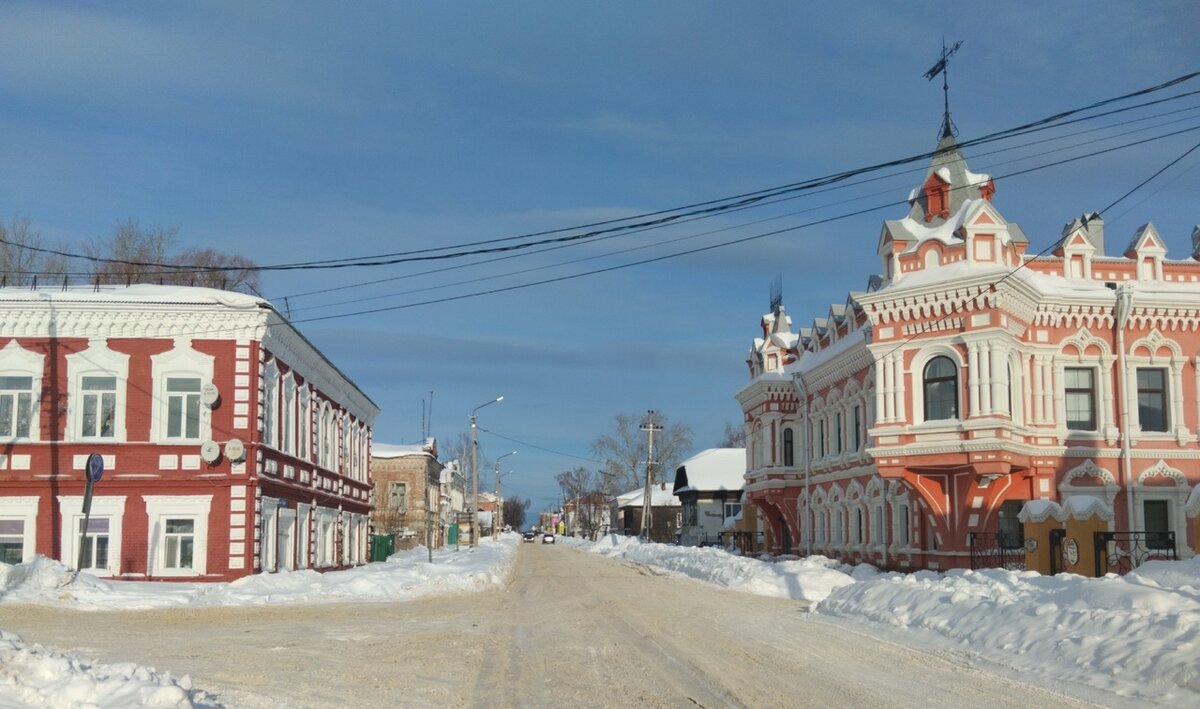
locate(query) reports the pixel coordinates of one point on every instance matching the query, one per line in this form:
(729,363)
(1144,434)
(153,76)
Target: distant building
(709,488)
(665,513)
(407,493)
(230,444)
(913,424)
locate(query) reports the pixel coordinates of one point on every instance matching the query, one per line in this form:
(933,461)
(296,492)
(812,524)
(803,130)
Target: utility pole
(498,514)
(475,474)
(649,427)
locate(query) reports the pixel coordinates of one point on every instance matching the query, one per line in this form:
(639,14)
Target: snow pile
(405,575)
(34,676)
(808,579)
(1134,636)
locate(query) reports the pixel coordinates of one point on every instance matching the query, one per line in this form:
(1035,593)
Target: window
(858,525)
(305,423)
(179,543)
(16,406)
(837,433)
(788,447)
(96,544)
(1080,389)
(857,428)
(1012,533)
(689,513)
(732,509)
(821,438)
(183,407)
(99,408)
(12,541)
(903,525)
(1157,520)
(289,415)
(1152,399)
(877,526)
(941,389)
(398,496)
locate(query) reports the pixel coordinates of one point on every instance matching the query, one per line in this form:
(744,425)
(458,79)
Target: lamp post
(475,475)
(498,515)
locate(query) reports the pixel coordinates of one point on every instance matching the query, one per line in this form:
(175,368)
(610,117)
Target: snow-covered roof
(661,495)
(389,450)
(712,470)
(137,293)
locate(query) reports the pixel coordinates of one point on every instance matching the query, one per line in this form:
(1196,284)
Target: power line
(662,216)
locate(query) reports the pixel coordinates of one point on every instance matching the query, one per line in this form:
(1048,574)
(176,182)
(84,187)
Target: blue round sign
(95,467)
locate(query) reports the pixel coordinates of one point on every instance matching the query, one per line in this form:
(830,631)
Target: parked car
(529,536)
(548,538)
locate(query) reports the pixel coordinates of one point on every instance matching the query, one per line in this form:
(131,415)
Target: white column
(1177,422)
(973,378)
(985,378)
(999,380)
(880,386)
(899,377)
(889,389)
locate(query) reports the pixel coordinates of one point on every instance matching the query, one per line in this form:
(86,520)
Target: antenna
(943,67)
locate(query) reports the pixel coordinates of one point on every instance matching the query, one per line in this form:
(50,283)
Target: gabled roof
(712,470)
(950,167)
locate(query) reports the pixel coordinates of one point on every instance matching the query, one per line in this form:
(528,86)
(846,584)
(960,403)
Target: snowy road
(571,629)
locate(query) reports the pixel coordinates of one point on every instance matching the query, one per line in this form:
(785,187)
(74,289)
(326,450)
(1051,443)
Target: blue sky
(299,131)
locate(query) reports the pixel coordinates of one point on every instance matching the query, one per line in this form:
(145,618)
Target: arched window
(941,389)
(788,447)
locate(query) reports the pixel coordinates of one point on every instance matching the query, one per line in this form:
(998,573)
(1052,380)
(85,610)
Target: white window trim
(161,507)
(1176,497)
(1173,366)
(71,516)
(287,437)
(16,361)
(1102,364)
(24,509)
(916,374)
(96,361)
(269,405)
(181,361)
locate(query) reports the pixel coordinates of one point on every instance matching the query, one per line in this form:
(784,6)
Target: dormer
(1148,250)
(989,238)
(937,194)
(894,239)
(1196,243)
(1076,250)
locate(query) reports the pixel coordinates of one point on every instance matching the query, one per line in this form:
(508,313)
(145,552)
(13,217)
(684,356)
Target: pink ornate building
(969,379)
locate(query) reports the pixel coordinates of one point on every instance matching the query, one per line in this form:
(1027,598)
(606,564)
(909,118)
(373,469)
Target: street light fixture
(498,515)
(475,475)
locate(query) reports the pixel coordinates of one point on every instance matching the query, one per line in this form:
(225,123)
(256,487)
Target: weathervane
(948,128)
(776,293)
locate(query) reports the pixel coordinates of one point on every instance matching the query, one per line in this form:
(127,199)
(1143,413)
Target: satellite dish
(235,449)
(209,394)
(210,451)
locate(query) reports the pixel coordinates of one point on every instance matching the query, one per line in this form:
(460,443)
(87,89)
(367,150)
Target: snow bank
(35,676)
(405,575)
(808,579)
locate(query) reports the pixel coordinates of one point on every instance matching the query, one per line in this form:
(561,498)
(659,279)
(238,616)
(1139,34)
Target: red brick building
(231,445)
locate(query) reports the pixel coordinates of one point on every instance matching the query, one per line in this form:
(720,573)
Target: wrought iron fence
(992,550)
(1122,552)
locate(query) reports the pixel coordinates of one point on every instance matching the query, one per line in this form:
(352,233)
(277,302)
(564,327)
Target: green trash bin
(453,534)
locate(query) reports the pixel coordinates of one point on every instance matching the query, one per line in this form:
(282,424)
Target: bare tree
(514,511)
(623,451)
(18,259)
(213,269)
(732,437)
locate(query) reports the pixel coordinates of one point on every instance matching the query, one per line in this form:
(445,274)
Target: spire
(942,67)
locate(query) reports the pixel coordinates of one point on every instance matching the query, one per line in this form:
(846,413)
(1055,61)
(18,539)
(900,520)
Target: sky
(1116,640)
(293,131)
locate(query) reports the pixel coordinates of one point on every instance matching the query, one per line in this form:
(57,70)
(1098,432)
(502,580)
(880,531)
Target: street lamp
(475,475)
(498,515)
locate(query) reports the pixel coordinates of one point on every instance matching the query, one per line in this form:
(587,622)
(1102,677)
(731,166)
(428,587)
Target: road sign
(95,467)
